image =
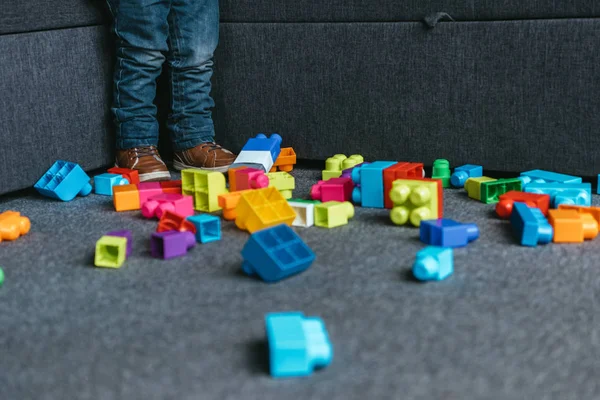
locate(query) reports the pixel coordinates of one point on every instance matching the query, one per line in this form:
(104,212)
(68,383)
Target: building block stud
(286,160)
(334,189)
(103,183)
(208,227)
(171,244)
(13,225)
(504,207)
(297,344)
(571,226)
(336,164)
(441,170)
(401,170)
(64,181)
(529,225)
(259,152)
(333,214)
(433,263)
(126,198)
(251,178)
(578,194)
(305,212)
(416,200)
(111,252)
(262,208)
(276,253)
(464,172)
(156,206)
(132,175)
(447,233)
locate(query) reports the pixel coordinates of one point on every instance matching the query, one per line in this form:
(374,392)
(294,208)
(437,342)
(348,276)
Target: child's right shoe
(146,161)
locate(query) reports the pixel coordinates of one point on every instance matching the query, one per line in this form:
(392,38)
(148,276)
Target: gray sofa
(512,85)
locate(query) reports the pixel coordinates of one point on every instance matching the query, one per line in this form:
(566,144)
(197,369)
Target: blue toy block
(598,185)
(541,176)
(579,194)
(529,225)
(297,344)
(368,179)
(276,253)
(260,142)
(434,263)
(64,181)
(208,227)
(447,233)
(462,173)
(103,183)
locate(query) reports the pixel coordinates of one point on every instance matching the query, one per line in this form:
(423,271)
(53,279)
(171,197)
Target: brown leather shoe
(146,160)
(209,156)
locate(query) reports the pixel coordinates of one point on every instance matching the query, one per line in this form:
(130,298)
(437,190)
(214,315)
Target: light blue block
(464,172)
(598,185)
(208,227)
(529,225)
(64,181)
(370,179)
(434,263)
(297,344)
(541,176)
(563,193)
(103,183)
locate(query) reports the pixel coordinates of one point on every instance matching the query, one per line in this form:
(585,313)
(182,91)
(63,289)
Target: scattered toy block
(208,227)
(464,172)
(1,277)
(401,170)
(598,185)
(178,203)
(171,221)
(333,214)
(491,191)
(593,211)
(111,252)
(171,244)
(334,189)
(416,200)
(297,345)
(103,183)
(339,162)
(529,225)
(370,179)
(541,176)
(64,181)
(473,186)
(231,178)
(441,170)
(127,235)
(13,225)
(205,187)
(305,212)
(282,181)
(286,160)
(126,198)
(447,233)
(276,253)
(347,173)
(228,202)
(259,152)
(571,226)
(148,190)
(251,178)
(504,207)
(433,264)
(171,187)
(578,194)
(132,175)
(262,208)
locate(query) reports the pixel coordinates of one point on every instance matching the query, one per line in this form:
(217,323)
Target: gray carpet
(511,323)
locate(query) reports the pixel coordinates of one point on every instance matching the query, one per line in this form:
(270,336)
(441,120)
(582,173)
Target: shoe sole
(154,176)
(178,165)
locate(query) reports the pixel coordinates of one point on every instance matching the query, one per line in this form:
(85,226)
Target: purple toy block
(347,173)
(170,244)
(126,234)
(447,233)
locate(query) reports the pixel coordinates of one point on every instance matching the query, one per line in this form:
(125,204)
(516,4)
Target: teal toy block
(529,225)
(434,263)
(368,179)
(579,194)
(208,227)
(64,181)
(103,183)
(464,172)
(541,176)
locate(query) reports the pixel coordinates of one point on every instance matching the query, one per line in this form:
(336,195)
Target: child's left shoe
(208,156)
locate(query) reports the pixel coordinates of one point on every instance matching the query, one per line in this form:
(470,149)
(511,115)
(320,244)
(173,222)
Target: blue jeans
(185,33)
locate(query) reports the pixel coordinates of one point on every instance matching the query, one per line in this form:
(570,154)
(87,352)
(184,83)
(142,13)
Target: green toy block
(339,162)
(204,186)
(333,214)
(473,186)
(492,190)
(110,252)
(282,181)
(1,277)
(304,201)
(415,200)
(441,171)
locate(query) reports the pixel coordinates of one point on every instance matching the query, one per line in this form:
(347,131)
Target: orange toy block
(401,170)
(228,202)
(126,198)
(13,225)
(132,175)
(593,211)
(171,221)
(571,226)
(285,161)
(262,208)
(231,178)
(173,187)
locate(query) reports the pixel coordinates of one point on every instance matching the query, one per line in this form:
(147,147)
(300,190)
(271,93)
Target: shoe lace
(144,151)
(212,146)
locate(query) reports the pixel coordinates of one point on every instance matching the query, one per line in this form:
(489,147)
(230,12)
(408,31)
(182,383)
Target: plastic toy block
(126,198)
(339,162)
(127,235)
(282,181)
(297,345)
(205,186)
(334,189)
(491,191)
(578,194)
(473,186)
(305,212)
(64,181)
(464,172)
(447,233)
(262,208)
(228,202)
(402,170)
(171,221)
(347,173)
(178,203)
(231,178)
(13,225)
(111,252)
(261,142)
(172,187)
(208,227)
(132,175)
(171,244)
(441,170)
(276,253)
(598,185)
(1,277)
(529,225)
(286,160)
(571,226)
(251,178)
(504,206)
(416,200)
(259,152)
(434,263)
(333,214)
(370,179)
(541,176)
(147,190)
(593,211)
(103,183)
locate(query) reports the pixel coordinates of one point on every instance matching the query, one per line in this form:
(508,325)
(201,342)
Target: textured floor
(511,323)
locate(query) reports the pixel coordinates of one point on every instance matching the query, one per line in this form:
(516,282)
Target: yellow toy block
(415,200)
(262,208)
(283,182)
(339,162)
(205,187)
(332,214)
(473,186)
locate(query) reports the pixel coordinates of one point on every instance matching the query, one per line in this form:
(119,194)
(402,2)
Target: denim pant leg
(193,38)
(142,30)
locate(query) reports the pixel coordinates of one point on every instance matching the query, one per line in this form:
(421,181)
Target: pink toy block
(333,189)
(250,178)
(148,189)
(156,206)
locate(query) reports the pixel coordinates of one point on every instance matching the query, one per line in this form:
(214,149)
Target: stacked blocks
(112,249)
(541,176)
(259,152)
(208,227)
(250,178)
(103,183)
(263,208)
(505,203)
(401,170)
(369,191)
(333,214)
(571,226)
(13,225)
(283,182)
(529,225)
(171,244)
(132,175)
(286,160)
(205,187)
(441,170)
(338,163)
(579,194)
(447,233)
(297,345)
(462,173)
(334,189)
(276,253)
(433,264)
(64,181)
(177,203)
(416,200)
(305,212)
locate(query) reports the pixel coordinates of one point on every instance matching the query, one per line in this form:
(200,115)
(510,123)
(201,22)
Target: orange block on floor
(571,226)
(13,225)
(285,161)
(228,202)
(593,211)
(126,198)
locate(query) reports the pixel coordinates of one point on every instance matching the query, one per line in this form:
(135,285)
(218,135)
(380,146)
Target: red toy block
(505,203)
(147,190)
(178,203)
(401,170)
(173,187)
(250,178)
(171,221)
(132,175)
(334,189)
